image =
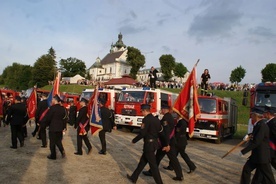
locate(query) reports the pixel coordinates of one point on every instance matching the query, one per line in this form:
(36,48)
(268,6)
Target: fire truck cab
(109,95)
(128,111)
(218,118)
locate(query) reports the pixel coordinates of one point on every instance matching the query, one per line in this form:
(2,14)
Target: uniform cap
(269,109)
(164,106)
(57,98)
(145,106)
(18,98)
(257,110)
(84,100)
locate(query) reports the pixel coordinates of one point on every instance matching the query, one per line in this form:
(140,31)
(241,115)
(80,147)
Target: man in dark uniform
(72,113)
(271,123)
(17,115)
(181,143)
(42,109)
(150,129)
(83,126)
(106,116)
(153,77)
(24,126)
(168,124)
(54,118)
(260,150)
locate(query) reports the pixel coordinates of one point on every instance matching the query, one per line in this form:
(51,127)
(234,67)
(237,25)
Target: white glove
(246,137)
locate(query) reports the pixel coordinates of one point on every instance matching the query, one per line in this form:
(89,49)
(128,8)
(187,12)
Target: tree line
(20,77)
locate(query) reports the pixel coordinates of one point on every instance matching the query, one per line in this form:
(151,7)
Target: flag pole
(231,150)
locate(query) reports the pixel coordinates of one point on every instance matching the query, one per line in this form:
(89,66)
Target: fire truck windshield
(263,98)
(86,94)
(133,96)
(207,105)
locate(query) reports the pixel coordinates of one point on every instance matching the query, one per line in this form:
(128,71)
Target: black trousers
(55,140)
(204,87)
(185,157)
(36,129)
(79,142)
(148,157)
(16,133)
(24,131)
(263,170)
(42,135)
(102,139)
(152,83)
(173,160)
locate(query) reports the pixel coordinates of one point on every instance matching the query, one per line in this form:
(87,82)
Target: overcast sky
(223,34)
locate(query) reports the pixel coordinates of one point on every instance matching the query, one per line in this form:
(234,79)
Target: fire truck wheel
(220,137)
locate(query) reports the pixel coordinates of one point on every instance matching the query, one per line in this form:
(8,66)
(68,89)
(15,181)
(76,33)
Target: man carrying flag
(186,104)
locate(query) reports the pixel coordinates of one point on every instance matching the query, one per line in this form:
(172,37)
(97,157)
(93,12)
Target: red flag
(91,100)
(186,103)
(55,89)
(32,104)
(1,105)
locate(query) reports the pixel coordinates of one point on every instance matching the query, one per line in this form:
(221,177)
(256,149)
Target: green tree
(52,53)
(72,66)
(237,75)
(136,60)
(180,70)
(167,63)
(17,76)
(44,70)
(269,73)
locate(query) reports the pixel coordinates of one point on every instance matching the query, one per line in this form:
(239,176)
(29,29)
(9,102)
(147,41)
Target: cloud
(129,29)
(217,20)
(262,32)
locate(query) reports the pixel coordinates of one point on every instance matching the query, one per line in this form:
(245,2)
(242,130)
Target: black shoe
(130,179)
(13,147)
(22,144)
(102,152)
(89,151)
(63,155)
(191,171)
(77,153)
(51,158)
(44,146)
(168,168)
(147,173)
(178,178)
(33,134)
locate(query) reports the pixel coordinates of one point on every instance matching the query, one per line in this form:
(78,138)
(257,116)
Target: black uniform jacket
(180,133)
(150,129)
(55,118)
(272,136)
(106,119)
(259,144)
(168,125)
(17,114)
(41,107)
(82,118)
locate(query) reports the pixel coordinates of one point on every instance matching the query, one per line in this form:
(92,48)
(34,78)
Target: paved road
(30,165)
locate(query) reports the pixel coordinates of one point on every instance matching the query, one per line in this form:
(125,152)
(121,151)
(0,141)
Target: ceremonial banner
(55,89)
(95,119)
(32,104)
(186,104)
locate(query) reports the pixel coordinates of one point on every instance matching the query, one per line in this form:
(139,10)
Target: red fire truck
(218,118)
(109,95)
(128,112)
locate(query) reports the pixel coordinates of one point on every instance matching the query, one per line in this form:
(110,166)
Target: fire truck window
(220,106)
(226,107)
(149,98)
(164,99)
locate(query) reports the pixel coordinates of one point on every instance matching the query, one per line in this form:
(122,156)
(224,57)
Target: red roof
(126,79)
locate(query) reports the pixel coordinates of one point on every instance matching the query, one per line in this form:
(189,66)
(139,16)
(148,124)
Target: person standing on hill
(205,77)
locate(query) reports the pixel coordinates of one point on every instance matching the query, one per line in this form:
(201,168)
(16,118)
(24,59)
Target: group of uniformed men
(163,138)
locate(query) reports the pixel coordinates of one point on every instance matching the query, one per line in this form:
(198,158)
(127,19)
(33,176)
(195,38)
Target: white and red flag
(186,104)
